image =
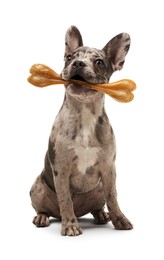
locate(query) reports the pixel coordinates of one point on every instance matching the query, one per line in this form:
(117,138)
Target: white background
(33,32)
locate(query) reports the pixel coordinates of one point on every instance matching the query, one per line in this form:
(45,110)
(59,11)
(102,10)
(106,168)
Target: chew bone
(42,76)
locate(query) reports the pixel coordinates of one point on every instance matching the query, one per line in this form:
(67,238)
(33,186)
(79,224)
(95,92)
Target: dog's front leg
(70,226)
(109,184)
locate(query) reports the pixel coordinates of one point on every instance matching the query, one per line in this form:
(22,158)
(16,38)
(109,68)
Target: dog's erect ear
(73,40)
(116,50)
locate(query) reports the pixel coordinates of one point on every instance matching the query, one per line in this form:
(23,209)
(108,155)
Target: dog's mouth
(78,77)
(79,90)
(80,87)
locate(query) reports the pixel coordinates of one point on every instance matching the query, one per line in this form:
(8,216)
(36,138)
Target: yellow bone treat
(42,76)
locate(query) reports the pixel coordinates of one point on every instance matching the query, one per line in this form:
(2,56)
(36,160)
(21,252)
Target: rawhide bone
(42,76)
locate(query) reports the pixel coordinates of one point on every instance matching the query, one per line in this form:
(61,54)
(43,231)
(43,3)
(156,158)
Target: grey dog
(79,172)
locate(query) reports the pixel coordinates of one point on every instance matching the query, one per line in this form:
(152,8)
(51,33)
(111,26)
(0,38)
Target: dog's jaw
(81,92)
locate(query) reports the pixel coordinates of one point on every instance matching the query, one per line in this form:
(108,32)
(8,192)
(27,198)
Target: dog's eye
(99,62)
(69,57)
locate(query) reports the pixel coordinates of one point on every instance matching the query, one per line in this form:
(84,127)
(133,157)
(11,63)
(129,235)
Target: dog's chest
(86,147)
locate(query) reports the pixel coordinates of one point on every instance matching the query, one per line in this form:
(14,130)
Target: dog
(79,175)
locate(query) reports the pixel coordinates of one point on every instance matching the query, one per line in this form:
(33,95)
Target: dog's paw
(100,217)
(70,228)
(122,223)
(41,220)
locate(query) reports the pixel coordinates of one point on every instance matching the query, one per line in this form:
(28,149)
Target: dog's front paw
(122,223)
(70,228)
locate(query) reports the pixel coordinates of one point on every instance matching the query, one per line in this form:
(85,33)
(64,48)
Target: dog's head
(90,64)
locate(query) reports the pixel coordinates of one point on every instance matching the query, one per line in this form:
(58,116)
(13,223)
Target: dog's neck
(76,106)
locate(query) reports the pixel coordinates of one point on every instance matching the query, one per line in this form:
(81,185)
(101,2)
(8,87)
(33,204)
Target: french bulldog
(79,175)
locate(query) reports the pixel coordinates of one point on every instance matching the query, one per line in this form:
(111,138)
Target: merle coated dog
(79,172)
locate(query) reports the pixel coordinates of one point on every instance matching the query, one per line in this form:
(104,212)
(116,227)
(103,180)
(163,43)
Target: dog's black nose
(78,64)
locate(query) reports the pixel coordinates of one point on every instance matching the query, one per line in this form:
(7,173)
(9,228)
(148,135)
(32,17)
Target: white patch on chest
(87,154)
(86,157)
(88,127)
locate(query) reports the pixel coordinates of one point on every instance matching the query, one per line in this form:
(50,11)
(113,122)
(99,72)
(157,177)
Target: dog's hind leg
(44,201)
(41,220)
(100,217)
